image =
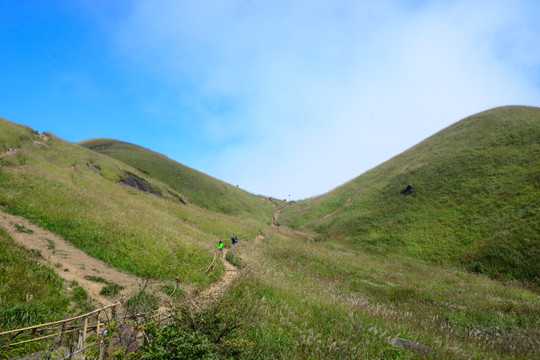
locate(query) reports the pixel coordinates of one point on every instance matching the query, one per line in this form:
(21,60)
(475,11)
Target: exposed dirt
(259,239)
(9,152)
(69,262)
(72,263)
(138,183)
(277,212)
(213,292)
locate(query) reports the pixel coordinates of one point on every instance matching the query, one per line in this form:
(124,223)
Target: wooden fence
(94,322)
(82,326)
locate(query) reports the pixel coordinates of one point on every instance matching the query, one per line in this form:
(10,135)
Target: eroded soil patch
(68,261)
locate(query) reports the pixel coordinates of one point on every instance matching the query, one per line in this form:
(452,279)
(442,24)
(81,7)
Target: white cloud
(305,95)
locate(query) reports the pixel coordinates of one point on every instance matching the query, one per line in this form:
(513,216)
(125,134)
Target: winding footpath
(214,291)
(73,264)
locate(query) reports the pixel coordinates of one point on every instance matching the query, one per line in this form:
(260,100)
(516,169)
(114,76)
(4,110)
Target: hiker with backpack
(220,247)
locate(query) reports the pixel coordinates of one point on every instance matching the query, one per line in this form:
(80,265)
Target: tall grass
(13,135)
(319,300)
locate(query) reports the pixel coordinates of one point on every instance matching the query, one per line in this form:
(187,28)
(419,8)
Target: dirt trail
(212,292)
(70,262)
(277,212)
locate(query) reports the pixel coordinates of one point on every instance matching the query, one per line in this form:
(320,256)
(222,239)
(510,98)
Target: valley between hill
(453,266)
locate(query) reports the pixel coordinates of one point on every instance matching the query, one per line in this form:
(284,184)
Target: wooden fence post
(64,325)
(97,327)
(85,328)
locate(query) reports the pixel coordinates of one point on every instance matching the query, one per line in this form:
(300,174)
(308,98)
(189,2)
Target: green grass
(319,300)
(110,289)
(188,184)
(56,189)
(474,203)
(30,293)
(318,287)
(13,135)
(97,279)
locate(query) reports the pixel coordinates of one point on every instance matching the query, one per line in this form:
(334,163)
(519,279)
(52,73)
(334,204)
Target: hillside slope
(298,297)
(77,193)
(194,186)
(475,199)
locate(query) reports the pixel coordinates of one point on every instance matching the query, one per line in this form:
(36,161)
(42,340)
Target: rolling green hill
(344,275)
(475,199)
(194,186)
(76,193)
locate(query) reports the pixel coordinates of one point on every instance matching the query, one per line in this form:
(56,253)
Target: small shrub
(142,302)
(111,289)
(176,343)
(235,260)
(205,334)
(79,295)
(50,244)
(23,229)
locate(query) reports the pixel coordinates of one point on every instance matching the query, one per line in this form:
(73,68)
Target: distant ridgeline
(474,198)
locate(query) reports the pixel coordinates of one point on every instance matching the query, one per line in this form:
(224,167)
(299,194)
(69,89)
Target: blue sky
(280,97)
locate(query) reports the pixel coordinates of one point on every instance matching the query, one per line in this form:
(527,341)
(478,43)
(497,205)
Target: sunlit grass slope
(194,186)
(74,192)
(475,202)
(13,135)
(331,290)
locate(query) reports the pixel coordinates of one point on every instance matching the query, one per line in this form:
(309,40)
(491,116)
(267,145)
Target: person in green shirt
(220,247)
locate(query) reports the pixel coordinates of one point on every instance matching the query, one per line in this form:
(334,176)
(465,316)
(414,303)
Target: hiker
(234,240)
(274,218)
(220,247)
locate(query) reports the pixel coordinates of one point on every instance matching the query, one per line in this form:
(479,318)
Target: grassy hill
(192,185)
(77,193)
(475,199)
(354,268)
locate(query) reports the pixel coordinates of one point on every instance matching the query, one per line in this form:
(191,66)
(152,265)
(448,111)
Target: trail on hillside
(72,263)
(213,292)
(277,212)
(339,208)
(68,261)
